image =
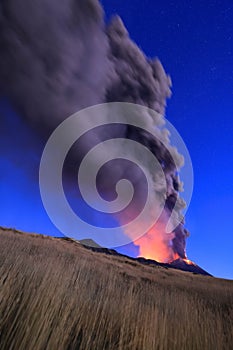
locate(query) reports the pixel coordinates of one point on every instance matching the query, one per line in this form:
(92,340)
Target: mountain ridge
(178,264)
(57,294)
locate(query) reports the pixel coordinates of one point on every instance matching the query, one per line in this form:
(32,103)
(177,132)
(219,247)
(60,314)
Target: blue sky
(194,41)
(195,44)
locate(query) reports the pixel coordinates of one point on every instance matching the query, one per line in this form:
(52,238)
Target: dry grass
(56,294)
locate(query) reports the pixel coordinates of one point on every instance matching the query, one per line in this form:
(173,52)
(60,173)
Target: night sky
(194,41)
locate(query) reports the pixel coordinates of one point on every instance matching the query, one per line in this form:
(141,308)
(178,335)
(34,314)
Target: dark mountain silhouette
(179,264)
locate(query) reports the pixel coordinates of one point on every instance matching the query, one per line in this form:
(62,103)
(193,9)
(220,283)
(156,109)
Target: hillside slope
(56,294)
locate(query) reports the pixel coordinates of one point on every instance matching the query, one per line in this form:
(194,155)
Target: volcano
(179,263)
(59,294)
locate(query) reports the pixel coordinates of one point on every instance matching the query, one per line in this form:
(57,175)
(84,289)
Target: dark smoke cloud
(137,79)
(58,57)
(53,57)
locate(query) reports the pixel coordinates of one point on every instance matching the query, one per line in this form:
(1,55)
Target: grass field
(56,294)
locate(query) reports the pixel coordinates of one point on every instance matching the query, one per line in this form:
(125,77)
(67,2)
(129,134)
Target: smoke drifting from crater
(58,58)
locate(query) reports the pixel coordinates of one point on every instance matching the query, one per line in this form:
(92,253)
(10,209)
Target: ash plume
(58,58)
(137,79)
(55,53)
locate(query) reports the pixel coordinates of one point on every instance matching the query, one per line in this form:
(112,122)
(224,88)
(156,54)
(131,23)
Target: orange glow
(157,245)
(189,262)
(176,256)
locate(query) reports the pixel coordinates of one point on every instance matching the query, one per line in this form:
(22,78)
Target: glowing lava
(157,245)
(189,262)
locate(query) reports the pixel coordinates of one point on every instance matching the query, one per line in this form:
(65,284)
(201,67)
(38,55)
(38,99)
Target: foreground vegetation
(56,294)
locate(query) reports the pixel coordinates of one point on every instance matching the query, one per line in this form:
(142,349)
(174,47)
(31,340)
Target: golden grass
(56,294)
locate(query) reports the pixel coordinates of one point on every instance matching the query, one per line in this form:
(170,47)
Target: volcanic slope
(56,294)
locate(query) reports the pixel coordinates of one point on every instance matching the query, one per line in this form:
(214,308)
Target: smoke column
(58,58)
